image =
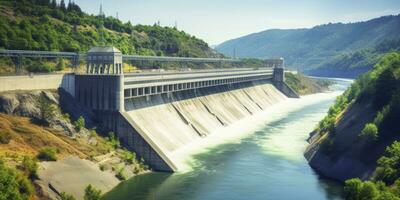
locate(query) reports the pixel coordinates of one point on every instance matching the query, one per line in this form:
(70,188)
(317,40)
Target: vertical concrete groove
(213,114)
(187,121)
(240,102)
(247,94)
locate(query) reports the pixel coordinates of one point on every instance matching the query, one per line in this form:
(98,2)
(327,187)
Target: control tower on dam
(156,114)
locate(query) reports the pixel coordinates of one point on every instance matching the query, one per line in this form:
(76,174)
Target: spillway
(172,122)
(157,115)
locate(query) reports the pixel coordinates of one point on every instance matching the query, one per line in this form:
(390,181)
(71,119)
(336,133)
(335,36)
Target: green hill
(320,46)
(48,26)
(352,64)
(358,138)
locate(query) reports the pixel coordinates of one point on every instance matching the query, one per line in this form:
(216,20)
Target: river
(266,163)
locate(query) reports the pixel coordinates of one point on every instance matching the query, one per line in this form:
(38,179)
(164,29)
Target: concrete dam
(157,114)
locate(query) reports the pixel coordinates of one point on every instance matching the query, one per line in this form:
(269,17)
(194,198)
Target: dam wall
(169,122)
(286,89)
(166,116)
(158,116)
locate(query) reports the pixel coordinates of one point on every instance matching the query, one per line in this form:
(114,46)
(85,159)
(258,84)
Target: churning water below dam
(264,163)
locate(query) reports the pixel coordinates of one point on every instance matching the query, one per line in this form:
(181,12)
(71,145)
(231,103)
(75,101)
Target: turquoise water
(266,164)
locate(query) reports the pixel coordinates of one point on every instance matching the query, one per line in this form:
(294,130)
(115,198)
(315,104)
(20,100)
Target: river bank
(357,141)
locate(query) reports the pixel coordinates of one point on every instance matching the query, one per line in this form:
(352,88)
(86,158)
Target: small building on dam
(157,114)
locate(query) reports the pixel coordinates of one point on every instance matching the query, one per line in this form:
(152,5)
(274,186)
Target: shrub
(128,157)
(65,196)
(40,67)
(113,141)
(66,116)
(29,166)
(369,191)
(352,189)
(388,165)
(381,115)
(5,137)
(13,185)
(79,123)
(355,189)
(370,132)
(60,65)
(93,133)
(25,186)
(91,193)
(46,109)
(102,167)
(120,174)
(327,125)
(47,154)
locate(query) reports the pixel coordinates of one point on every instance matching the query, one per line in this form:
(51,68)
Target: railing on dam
(189,76)
(194,71)
(159,85)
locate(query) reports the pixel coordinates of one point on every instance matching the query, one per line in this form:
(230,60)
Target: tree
(60,65)
(384,88)
(352,189)
(91,193)
(370,132)
(46,109)
(53,4)
(387,196)
(368,191)
(69,7)
(389,164)
(79,123)
(62,6)
(44,2)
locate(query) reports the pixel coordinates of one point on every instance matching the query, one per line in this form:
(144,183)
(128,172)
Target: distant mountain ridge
(311,48)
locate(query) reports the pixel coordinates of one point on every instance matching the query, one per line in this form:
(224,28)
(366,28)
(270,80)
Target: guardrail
(186,77)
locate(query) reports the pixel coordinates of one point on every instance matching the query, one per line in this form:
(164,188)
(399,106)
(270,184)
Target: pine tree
(62,5)
(69,8)
(53,4)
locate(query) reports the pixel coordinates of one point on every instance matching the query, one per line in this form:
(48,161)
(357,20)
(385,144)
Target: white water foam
(278,143)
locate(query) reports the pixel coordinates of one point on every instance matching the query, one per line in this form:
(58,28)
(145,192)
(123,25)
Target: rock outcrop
(25,103)
(349,156)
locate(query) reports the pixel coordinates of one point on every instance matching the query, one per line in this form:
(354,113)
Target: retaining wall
(38,82)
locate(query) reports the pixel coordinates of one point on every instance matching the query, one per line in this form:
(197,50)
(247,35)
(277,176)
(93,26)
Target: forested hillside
(321,46)
(46,25)
(359,138)
(352,64)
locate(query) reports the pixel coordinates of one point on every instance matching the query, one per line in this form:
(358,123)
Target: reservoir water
(266,163)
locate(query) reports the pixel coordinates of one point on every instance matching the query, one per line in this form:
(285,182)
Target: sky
(216,21)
